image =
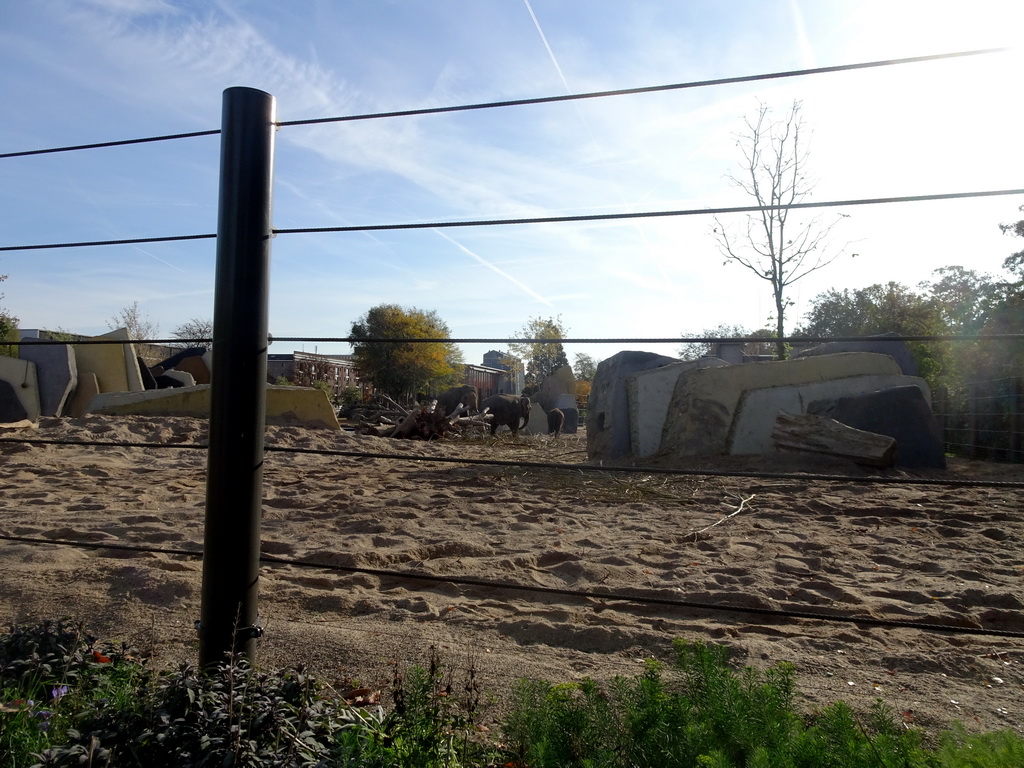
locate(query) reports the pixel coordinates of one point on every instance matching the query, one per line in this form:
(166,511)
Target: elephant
(555,421)
(510,410)
(450,399)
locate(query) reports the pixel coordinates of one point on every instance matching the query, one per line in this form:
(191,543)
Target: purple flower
(58,691)
(44,717)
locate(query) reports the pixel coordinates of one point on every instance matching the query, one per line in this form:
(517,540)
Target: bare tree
(140,327)
(773,173)
(194,330)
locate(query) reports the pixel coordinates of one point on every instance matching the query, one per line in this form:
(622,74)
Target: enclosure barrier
(235,451)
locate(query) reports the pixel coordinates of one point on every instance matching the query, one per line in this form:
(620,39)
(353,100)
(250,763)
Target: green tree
(1014,263)
(1006,315)
(879,309)
(8,329)
(769,245)
(694,351)
(402,369)
(140,326)
(540,349)
(965,297)
(584,367)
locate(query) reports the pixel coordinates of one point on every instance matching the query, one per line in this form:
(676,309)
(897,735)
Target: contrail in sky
(518,283)
(800,29)
(162,261)
(544,40)
(586,125)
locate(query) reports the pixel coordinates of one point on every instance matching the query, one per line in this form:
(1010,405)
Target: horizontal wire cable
(646,89)
(651,214)
(543,219)
(617,597)
(549,219)
(645,470)
(656,340)
(581,468)
(118,143)
(75,342)
(643,599)
(91,243)
(101,545)
(271,338)
(538,100)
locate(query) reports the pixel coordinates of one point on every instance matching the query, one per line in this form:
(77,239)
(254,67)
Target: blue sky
(81,71)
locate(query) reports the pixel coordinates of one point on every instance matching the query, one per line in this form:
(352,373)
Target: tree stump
(818,434)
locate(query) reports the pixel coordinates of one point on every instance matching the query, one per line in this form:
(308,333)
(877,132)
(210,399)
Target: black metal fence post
(234,487)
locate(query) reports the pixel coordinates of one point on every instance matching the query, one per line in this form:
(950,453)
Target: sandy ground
(947,556)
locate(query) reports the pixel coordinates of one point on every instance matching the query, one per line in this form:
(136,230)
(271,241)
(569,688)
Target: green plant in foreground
(713,716)
(65,701)
(430,724)
(233,715)
(48,674)
(90,708)
(1001,749)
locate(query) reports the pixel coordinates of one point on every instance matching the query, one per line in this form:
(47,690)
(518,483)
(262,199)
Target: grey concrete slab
(757,410)
(56,372)
(555,387)
(304,404)
(536,424)
(11,409)
(896,348)
(902,413)
(703,405)
(21,375)
(649,393)
(608,405)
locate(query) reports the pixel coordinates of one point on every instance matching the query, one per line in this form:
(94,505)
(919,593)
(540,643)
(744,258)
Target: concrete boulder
(751,431)
(608,430)
(649,393)
(901,413)
(11,408)
(22,396)
(56,373)
(555,386)
(536,424)
(704,401)
(896,348)
(283,404)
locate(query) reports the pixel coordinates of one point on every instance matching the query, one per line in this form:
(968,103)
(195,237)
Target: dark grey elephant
(450,399)
(510,410)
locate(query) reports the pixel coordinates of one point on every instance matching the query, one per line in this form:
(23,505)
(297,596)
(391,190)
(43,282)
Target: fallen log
(408,424)
(381,398)
(818,434)
(427,423)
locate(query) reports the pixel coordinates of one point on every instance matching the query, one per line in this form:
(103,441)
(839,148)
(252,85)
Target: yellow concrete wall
(85,391)
(131,363)
(106,361)
(301,404)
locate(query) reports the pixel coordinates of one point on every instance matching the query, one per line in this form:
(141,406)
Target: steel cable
(579,594)
(580,468)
